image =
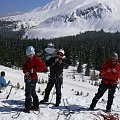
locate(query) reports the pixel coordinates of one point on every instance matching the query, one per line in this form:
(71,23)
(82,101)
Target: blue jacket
(2,82)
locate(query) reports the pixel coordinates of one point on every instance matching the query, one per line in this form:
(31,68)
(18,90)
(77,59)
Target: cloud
(10,14)
(14,13)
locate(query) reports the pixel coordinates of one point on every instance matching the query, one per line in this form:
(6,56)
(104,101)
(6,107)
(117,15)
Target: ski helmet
(114,56)
(30,50)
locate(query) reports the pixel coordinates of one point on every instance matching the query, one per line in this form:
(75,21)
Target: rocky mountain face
(69,17)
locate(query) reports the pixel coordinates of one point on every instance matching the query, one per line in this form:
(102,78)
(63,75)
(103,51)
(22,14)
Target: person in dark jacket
(56,64)
(32,65)
(110,71)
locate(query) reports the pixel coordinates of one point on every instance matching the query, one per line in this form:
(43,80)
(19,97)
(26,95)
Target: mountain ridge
(69,17)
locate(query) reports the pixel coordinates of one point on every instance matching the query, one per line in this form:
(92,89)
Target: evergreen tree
(80,68)
(89,64)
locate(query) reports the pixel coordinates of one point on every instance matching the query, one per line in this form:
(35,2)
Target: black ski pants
(101,90)
(57,81)
(31,98)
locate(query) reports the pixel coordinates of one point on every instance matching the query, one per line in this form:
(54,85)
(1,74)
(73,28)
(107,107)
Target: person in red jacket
(110,71)
(32,65)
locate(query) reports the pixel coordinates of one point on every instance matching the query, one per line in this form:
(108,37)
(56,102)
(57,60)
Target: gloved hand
(56,60)
(108,70)
(27,74)
(114,70)
(31,71)
(9,83)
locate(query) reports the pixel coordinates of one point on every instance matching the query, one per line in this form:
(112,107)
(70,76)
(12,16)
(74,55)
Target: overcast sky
(9,7)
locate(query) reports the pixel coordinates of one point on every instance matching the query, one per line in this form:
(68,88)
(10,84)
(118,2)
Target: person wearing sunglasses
(110,71)
(56,64)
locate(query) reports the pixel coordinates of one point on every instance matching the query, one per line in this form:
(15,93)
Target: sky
(9,7)
(73,106)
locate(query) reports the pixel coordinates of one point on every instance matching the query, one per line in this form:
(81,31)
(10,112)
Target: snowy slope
(11,108)
(69,17)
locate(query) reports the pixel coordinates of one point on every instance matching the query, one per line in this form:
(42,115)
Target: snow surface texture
(11,108)
(69,17)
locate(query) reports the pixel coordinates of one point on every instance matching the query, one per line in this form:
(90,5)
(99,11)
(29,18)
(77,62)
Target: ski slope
(72,107)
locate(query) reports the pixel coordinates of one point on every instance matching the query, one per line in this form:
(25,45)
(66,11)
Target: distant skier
(56,64)
(47,52)
(110,72)
(32,65)
(3,83)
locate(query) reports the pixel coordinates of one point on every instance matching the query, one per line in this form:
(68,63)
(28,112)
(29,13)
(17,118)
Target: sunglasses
(29,55)
(60,55)
(113,60)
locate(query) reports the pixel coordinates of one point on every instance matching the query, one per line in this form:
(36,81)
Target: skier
(32,65)
(3,83)
(110,71)
(49,50)
(56,64)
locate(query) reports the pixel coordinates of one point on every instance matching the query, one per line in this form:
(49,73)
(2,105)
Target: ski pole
(9,92)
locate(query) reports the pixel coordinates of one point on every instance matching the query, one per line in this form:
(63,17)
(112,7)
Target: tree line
(90,48)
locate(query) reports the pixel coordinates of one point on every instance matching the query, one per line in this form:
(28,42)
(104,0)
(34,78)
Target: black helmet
(114,56)
(2,73)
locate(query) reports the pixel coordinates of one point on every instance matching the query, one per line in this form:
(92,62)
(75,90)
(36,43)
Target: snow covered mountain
(69,17)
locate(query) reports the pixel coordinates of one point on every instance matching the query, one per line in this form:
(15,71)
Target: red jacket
(36,64)
(110,77)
